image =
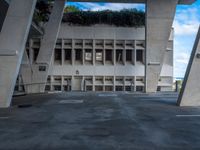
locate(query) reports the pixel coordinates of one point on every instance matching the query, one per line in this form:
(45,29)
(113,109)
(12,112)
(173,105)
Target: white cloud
(186,21)
(110,6)
(185,29)
(182,58)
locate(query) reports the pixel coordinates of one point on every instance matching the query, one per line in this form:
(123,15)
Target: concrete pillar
(41,68)
(13,38)
(159,19)
(190,92)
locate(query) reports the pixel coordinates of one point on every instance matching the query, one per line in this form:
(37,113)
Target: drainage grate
(73,101)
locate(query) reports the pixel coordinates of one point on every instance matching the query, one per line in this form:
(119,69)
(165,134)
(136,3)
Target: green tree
(71,9)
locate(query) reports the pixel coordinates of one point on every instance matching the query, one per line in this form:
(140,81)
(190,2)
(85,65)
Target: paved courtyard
(99,121)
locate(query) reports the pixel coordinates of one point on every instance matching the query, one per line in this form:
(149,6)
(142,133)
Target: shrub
(125,18)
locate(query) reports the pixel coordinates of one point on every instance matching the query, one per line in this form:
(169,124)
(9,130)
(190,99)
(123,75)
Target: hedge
(125,18)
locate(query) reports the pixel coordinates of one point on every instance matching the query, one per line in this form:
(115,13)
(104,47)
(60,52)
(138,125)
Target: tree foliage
(125,18)
(43,9)
(71,9)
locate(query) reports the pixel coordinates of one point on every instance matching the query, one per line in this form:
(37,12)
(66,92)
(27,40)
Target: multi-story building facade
(101,58)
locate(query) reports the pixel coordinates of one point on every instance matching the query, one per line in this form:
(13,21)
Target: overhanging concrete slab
(182,2)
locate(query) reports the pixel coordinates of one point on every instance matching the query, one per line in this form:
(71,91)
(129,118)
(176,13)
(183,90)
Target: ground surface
(99,121)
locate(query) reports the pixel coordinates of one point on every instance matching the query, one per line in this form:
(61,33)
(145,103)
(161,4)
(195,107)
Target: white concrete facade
(159,16)
(111,59)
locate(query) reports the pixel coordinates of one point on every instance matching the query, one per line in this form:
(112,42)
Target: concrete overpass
(17,23)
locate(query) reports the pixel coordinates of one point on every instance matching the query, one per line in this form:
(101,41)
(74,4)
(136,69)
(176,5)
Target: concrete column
(114,53)
(48,42)
(190,92)
(124,56)
(159,19)
(73,53)
(63,54)
(3,10)
(13,38)
(94,53)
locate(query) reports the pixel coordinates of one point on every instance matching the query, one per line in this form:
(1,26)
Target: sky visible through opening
(186,25)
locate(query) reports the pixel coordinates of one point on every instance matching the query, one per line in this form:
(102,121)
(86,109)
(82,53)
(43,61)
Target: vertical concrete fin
(46,51)
(13,38)
(190,93)
(159,19)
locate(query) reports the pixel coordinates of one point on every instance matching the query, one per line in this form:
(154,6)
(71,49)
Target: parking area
(99,121)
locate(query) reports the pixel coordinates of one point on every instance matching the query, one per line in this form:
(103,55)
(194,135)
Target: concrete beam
(37,80)
(190,93)
(181,2)
(159,19)
(13,38)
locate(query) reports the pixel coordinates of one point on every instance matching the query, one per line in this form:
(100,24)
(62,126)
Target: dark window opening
(108,55)
(57,54)
(42,68)
(98,88)
(47,88)
(68,54)
(119,55)
(57,88)
(35,54)
(128,88)
(108,88)
(78,54)
(129,55)
(159,88)
(88,88)
(139,55)
(27,52)
(139,88)
(119,88)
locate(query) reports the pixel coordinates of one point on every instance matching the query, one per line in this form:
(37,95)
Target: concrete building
(17,24)
(99,58)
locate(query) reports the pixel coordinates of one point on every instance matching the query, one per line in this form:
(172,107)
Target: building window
(68,54)
(57,87)
(108,55)
(27,52)
(119,55)
(128,88)
(78,54)
(128,55)
(47,88)
(88,55)
(139,88)
(35,54)
(108,88)
(119,88)
(57,54)
(98,88)
(99,55)
(139,55)
(88,88)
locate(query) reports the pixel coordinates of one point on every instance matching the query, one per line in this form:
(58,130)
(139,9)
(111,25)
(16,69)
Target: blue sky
(186,23)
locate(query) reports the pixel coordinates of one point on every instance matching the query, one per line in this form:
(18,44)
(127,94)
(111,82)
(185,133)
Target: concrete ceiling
(185,2)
